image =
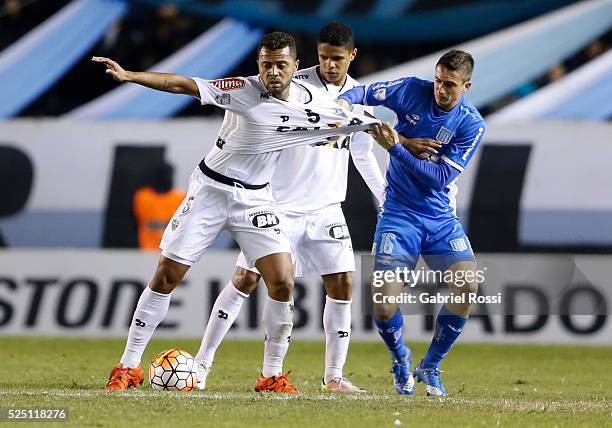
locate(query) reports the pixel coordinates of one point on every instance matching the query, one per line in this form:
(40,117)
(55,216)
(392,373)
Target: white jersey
(311,177)
(257,125)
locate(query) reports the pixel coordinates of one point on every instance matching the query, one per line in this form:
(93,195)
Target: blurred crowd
(558,71)
(146,35)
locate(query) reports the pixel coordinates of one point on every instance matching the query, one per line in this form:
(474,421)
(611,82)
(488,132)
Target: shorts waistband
(227,180)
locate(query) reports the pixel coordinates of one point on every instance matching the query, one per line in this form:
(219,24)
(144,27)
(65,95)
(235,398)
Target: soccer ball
(173,370)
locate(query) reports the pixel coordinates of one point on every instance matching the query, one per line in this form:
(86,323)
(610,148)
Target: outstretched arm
(166,82)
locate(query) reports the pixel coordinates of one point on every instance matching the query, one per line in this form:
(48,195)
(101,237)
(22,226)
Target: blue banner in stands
(33,64)
(212,55)
(583,94)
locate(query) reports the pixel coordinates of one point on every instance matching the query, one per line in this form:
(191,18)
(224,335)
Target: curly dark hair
(458,61)
(278,40)
(337,34)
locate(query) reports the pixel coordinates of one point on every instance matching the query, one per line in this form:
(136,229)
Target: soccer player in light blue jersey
(418,217)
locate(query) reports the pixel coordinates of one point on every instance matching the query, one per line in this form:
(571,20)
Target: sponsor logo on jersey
(229,84)
(220,142)
(334,143)
(265,95)
(458,244)
(301,76)
(444,135)
(338,231)
(223,99)
(188,204)
(412,118)
(380,94)
(314,117)
(264,219)
(476,138)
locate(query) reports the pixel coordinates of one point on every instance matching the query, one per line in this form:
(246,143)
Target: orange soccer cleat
(122,378)
(278,383)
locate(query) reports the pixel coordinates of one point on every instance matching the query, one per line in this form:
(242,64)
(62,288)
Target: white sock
(223,314)
(277,323)
(151,310)
(337,325)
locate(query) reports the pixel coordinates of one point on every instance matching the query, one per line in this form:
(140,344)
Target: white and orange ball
(173,370)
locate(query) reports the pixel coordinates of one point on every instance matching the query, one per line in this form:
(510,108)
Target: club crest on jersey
(444,135)
(263,219)
(175,224)
(338,230)
(229,84)
(223,99)
(380,94)
(340,112)
(458,244)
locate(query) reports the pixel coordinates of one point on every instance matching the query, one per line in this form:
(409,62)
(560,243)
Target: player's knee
(384,311)
(468,291)
(281,288)
(465,288)
(339,286)
(166,277)
(245,280)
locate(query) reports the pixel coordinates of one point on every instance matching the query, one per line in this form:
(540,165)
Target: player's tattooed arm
(422,148)
(166,82)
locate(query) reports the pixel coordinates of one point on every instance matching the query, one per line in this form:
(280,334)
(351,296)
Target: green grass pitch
(489,385)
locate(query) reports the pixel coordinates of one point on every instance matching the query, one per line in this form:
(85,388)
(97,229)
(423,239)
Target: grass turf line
(490,385)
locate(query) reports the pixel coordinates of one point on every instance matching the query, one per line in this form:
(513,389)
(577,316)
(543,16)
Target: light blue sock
(392,332)
(448,328)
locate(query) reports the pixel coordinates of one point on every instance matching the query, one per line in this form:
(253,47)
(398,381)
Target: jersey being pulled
(459,131)
(311,177)
(256,123)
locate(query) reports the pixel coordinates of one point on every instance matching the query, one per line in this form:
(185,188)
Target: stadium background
(75,145)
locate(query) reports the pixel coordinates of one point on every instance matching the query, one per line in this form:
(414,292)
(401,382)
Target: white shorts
(320,243)
(211,206)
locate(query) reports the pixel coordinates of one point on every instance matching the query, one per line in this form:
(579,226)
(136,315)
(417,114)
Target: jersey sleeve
(389,94)
(229,93)
(459,151)
(365,162)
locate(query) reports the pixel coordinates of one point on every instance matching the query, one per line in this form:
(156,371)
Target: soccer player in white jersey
(229,189)
(308,186)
